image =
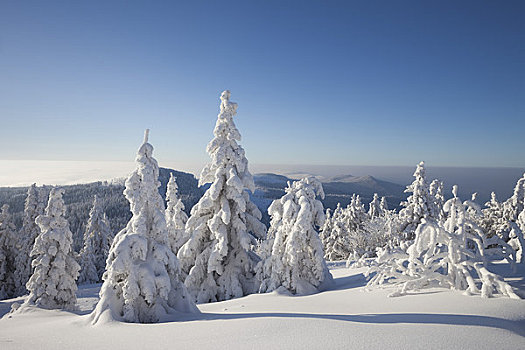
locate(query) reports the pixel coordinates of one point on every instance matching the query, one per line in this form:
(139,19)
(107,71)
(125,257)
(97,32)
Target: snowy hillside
(345,317)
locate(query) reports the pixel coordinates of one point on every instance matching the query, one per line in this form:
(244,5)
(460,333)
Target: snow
(345,317)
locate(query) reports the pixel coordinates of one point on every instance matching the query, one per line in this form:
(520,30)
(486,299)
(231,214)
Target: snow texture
(294,257)
(224,224)
(141,282)
(53,283)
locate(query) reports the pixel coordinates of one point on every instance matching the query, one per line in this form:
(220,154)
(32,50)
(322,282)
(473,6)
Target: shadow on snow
(517,327)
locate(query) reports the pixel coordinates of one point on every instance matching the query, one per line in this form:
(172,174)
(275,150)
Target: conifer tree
(176,218)
(515,204)
(383,205)
(7,254)
(97,242)
(419,204)
(493,221)
(374,207)
(294,259)
(53,283)
(32,209)
(141,282)
(436,194)
(225,223)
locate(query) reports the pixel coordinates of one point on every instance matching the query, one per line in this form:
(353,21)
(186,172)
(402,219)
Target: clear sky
(317,82)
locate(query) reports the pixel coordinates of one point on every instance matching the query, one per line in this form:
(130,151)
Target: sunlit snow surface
(347,317)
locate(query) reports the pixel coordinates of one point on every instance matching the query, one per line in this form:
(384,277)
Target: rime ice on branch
(224,224)
(293,257)
(141,282)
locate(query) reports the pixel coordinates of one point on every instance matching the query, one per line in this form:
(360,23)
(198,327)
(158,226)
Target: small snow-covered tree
(356,219)
(517,237)
(419,204)
(334,236)
(515,204)
(88,270)
(436,194)
(141,282)
(375,207)
(493,222)
(294,259)
(33,207)
(52,285)
(383,205)
(176,218)
(517,242)
(225,223)
(7,253)
(97,242)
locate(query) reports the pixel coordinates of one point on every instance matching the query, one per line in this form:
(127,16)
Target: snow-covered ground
(346,317)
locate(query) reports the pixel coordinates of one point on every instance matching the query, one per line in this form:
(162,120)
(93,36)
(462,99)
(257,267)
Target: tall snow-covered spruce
(176,218)
(53,283)
(141,282)
(224,224)
(294,257)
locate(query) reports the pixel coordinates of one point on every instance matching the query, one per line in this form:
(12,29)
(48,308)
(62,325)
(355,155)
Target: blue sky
(317,82)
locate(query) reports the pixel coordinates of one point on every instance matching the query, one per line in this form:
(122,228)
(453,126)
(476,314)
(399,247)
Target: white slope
(346,317)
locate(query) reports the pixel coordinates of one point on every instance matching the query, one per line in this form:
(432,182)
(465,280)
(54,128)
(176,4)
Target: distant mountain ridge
(338,189)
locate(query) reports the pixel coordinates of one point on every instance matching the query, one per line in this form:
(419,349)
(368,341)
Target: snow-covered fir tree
(436,193)
(515,204)
(225,223)
(97,242)
(383,205)
(294,257)
(493,221)
(34,206)
(7,253)
(440,256)
(335,237)
(374,208)
(88,271)
(53,282)
(419,205)
(355,219)
(176,218)
(517,241)
(142,282)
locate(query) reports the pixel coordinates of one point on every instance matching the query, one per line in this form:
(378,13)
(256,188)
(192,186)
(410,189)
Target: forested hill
(79,198)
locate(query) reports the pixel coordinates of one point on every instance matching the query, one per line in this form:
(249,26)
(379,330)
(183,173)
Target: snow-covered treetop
(223,148)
